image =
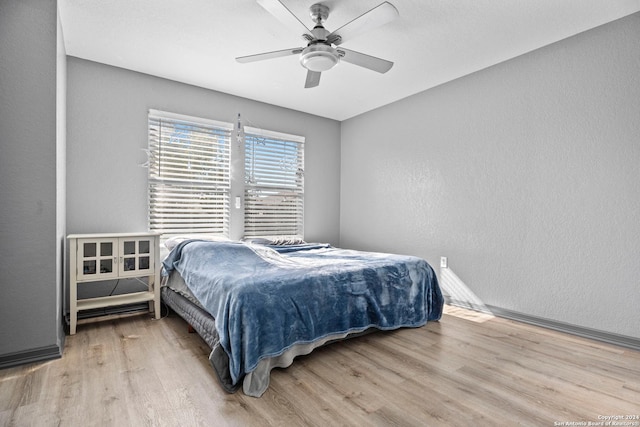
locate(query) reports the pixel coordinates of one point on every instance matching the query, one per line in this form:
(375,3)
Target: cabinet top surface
(112,235)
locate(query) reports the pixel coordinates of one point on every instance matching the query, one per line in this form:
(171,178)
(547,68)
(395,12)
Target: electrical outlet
(443,262)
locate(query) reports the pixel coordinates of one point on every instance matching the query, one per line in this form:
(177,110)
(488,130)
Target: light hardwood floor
(469,369)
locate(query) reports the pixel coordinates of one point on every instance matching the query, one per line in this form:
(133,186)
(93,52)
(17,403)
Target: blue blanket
(265,300)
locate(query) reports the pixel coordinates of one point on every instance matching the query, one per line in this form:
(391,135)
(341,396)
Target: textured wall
(29,251)
(61,175)
(107,131)
(526,175)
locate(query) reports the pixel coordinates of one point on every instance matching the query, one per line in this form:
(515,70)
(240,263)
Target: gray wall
(61,175)
(525,175)
(107,131)
(31,208)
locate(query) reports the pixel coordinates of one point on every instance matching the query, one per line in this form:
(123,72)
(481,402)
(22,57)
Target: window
(274,184)
(189,168)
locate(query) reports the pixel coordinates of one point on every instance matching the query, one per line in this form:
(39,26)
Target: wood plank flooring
(469,369)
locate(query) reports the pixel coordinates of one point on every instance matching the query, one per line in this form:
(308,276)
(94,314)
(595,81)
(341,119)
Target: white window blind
(189,168)
(274,184)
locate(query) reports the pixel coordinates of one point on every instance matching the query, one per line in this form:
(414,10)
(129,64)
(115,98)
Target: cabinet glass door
(136,255)
(97,259)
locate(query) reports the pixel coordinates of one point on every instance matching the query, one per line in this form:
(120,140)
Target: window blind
(274,184)
(189,168)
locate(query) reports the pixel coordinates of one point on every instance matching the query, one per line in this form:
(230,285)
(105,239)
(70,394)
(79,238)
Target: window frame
(208,177)
(285,218)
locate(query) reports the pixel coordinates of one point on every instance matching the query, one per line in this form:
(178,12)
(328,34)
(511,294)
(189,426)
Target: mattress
(258,308)
(176,295)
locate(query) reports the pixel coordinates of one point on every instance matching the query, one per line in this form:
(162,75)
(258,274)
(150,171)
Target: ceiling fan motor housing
(319,55)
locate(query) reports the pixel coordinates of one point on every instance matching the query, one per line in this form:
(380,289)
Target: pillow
(275,241)
(171,242)
(287,241)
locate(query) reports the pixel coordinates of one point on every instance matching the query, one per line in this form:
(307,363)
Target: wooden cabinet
(96,257)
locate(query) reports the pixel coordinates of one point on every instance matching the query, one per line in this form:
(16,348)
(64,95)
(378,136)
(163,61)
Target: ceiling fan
(321,53)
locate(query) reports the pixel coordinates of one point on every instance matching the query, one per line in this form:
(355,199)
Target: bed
(259,306)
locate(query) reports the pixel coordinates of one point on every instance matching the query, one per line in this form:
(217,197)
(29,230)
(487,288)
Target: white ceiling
(432,42)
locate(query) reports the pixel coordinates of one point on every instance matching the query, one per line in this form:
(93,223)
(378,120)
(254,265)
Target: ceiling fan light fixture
(319,58)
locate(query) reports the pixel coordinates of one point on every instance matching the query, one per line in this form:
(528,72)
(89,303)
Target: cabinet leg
(156,291)
(156,307)
(73,305)
(73,321)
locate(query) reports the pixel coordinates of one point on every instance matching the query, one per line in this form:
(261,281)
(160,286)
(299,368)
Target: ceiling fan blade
(268,55)
(313,79)
(284,15)
(366,61)
(379,15)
